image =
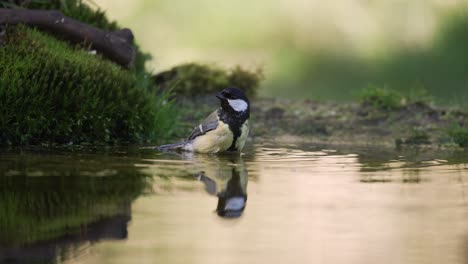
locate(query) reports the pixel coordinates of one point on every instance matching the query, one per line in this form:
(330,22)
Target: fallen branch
(115,45)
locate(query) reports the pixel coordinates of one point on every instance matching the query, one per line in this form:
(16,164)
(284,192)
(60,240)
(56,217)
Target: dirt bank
(412,124)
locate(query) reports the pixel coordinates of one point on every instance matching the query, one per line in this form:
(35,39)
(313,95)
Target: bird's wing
(210,123)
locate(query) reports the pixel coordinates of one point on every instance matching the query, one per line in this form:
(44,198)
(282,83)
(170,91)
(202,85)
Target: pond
(289,203)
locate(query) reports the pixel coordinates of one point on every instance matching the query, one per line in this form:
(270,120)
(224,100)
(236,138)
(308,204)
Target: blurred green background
(313,49)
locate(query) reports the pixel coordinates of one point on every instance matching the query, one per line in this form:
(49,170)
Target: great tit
(225,129)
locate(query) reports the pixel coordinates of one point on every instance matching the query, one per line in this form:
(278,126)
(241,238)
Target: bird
(225,177)
(224,130)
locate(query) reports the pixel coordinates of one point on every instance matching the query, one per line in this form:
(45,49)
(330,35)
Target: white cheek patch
(238,105)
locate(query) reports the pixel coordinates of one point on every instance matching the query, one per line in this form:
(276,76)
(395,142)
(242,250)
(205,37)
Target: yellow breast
(243,137)
(217,140)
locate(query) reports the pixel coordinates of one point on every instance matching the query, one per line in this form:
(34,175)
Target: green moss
(51,92)
(198,79)
(381,98)
(459,136)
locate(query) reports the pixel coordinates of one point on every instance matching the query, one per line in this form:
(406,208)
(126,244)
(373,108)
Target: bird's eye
(227,95)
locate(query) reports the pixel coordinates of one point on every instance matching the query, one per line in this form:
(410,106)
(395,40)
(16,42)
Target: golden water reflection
(303,207)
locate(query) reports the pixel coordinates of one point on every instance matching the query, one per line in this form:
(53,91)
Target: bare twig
(115,45)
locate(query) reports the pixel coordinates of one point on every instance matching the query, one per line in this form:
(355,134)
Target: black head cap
(232,99)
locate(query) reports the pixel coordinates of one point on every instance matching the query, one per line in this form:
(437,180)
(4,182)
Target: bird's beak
(220,96)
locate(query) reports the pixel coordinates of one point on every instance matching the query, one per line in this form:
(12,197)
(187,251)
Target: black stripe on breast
(233,145)
(235,122)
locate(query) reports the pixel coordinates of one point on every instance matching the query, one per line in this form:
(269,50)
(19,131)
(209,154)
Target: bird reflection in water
(228,181)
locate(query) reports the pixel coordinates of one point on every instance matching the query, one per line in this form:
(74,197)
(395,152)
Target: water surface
(275,204)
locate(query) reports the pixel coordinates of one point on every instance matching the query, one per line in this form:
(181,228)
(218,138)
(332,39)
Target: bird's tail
(186,145)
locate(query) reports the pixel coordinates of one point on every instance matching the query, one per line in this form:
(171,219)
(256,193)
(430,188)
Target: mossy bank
(53,92)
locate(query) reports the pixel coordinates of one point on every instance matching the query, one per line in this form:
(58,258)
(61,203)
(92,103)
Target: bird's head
(233,100)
